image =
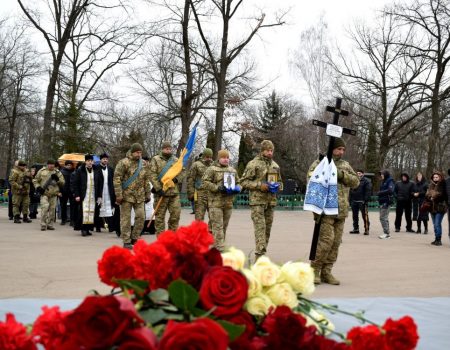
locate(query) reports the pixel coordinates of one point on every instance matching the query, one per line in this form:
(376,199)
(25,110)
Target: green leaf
(138,286)
(153,316)
(183,296)
(233,330)
(159,295)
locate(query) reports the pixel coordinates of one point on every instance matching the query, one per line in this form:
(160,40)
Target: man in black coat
(109,215)
(86,187)
(404,191)
(66,195)
(359,201)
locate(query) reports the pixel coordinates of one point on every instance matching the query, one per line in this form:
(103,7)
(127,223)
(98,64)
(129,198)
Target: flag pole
(154,212)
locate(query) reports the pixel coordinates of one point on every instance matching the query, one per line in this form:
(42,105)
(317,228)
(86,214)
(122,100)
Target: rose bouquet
(179,293)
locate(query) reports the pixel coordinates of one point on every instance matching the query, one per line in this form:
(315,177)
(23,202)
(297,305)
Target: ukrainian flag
(177,167)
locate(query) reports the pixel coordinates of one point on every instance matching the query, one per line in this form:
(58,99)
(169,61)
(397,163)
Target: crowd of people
(99,196)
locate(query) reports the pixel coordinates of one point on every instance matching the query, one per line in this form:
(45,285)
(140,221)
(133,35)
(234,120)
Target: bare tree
(430,21)
(381,80)
(221,57)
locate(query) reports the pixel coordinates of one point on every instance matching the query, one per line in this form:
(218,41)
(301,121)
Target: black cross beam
(337,111)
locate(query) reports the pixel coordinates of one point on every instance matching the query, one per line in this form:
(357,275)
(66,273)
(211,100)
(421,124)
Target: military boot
(25,219)
(329,278)
(17,219)
(316,273)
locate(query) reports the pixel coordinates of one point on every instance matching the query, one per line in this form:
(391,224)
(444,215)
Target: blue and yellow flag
(177,167)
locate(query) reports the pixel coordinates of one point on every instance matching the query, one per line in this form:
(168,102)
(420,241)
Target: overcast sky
(271,50)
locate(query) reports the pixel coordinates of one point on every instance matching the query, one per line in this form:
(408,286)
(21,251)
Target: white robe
(89,200)
(106,209)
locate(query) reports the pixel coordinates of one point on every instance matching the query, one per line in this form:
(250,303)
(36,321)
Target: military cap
(166,144)
(266,145)
(51,161)
(207,152)
(21,163)
(136,147)
(338,142)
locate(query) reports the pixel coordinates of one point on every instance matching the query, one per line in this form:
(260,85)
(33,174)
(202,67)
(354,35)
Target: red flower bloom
(225,289)
(245,319)
(287,330)
(100,322)
(366,338)
(116,262)
(196,236)
(13,335)
(213,257)
(49,329)
(189,267)
(201,334)
(401,334)
(152,262)
(139,339)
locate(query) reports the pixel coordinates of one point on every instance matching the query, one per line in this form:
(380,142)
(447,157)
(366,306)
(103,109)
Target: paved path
(62,264)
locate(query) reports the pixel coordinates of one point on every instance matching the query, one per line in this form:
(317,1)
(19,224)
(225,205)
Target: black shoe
(11,217)
(17,219)
(133,241)
(366,233)
(409,230)
(89,233)
(425,232)
(397,230)
(84,233)
(419,231)
(51,228)
(63,223)
(354,231)
(25,219)
(71,223)
(128,246)
(118,234)
(436,242)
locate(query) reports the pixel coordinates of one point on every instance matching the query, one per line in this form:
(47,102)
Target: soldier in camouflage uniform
(170,199)
(195,191)
(332,226)
(218,181)
(20,180)
(132,190)
(262,178)
(48,182)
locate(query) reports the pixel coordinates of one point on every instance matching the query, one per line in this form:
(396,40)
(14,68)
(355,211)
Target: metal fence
(285,201)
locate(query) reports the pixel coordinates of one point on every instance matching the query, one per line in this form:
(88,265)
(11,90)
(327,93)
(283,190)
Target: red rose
(189,267)
(366,338)
(152,263)
(245,319)
(225,289)
(100,322)
(287,330)
(13,335)
(201,334)
(49,329)
(139,339)
(116,262)
(213,257)
(401,334)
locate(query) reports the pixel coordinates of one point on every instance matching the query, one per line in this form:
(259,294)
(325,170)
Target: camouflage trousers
(330,238)
(18,200)
(201,205)
(171,204)
(48,207)
(262,217)
(125,221)
(219,219)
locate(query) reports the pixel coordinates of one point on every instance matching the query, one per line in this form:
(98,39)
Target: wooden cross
(333,131)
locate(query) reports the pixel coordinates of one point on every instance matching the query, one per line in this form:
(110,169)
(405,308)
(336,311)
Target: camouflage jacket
(157,164)
(194,180)
(139,189)
(259,170)
(347,179)
(43,179)
(212,179)
(20,181)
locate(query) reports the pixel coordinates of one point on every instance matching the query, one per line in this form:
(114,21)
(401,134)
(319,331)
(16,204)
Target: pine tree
(245,153)
(211,139)
(371,163)
(271,114)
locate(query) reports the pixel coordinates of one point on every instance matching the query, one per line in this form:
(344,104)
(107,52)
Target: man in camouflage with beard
(170,199)
(20,180)
(332,226)
(262,178)
(195,190)
(132,190)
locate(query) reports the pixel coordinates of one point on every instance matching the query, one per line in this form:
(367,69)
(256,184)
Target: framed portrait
(273,177)
(229,180)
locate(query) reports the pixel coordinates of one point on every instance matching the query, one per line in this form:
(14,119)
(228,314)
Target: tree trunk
(434,133)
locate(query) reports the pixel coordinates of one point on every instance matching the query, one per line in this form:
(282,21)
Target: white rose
(266,271)
(300,276)
(282,294)
(234,258)
(259,305)
(254,286)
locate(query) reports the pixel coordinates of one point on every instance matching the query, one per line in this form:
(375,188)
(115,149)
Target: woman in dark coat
(421,187)
(437,195)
